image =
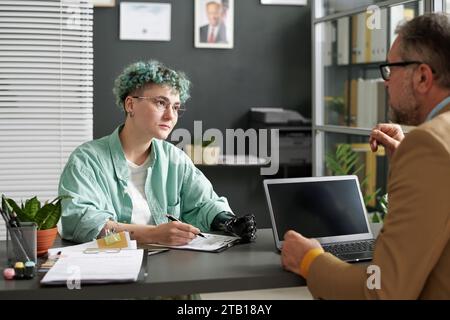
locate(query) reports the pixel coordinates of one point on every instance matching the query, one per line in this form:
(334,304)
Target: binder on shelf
(367,45)
(397,16)
(381,102)
(371,102)
(354,23)
(343,41)
(379,39)
(361,103)
(367,39)
(359,28)
(329,37)
(353,102)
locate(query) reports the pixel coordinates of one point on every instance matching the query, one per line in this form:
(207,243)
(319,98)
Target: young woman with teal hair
(131,179)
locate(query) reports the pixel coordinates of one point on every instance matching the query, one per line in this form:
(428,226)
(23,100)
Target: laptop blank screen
(318,209)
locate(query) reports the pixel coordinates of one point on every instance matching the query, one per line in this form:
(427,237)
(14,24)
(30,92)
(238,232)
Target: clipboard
(211,243)
(152,250)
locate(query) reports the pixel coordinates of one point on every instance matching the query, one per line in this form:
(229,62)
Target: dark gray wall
(270,64)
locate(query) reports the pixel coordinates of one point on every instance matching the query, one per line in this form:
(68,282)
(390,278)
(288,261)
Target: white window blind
(46,66)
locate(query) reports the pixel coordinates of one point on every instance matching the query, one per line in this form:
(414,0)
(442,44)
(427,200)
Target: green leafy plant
(345,162)
(45,216)
(208,142)
(336,104)
(382,209)
(335,107)
(204,143)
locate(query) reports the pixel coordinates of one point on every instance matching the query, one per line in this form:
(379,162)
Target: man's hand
(244,227)
(295,247)
(388,135)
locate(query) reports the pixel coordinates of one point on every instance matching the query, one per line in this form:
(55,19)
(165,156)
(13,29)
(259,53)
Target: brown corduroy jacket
(413,248)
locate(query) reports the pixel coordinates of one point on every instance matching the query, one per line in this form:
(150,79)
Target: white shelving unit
(350,39)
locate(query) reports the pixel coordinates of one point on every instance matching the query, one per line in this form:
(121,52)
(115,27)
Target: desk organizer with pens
(21,243)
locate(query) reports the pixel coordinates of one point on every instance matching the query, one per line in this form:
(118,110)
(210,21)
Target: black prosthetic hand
(243,227)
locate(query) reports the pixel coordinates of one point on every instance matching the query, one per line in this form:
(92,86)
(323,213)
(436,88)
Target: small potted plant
(45,216)
(335,107)
(203,152)
(377,216)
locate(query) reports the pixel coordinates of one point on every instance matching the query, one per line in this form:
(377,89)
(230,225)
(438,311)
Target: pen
(11,217)
(13,220)
(172,218)
(13,225)
(5,217)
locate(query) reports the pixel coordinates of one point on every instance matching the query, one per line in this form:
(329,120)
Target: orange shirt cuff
(309,257)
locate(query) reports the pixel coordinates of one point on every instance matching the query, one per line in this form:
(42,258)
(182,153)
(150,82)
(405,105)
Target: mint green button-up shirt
(96,177)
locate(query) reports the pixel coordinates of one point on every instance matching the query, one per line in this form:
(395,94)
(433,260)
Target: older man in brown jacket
(412,253)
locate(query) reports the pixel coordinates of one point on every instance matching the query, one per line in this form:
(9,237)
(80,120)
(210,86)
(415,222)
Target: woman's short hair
(137,75)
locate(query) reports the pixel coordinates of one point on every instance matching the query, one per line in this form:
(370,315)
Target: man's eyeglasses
(162,105)
(385,68)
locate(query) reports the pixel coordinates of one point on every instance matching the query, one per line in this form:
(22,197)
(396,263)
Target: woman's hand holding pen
(172,233)
(175,233)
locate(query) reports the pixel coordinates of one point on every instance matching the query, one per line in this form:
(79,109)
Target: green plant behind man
(345,162)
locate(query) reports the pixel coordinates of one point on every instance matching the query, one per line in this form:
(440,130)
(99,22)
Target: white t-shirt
(136,189)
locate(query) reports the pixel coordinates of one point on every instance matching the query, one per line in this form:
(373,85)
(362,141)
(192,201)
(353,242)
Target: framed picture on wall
(145,21)
(214,24)
(104,3)
(286,2)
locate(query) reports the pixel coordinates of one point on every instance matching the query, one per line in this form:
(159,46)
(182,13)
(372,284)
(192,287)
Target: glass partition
(327,7)
(353,94)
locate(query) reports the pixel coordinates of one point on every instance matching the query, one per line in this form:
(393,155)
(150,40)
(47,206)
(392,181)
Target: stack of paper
(104,267)
(95,262)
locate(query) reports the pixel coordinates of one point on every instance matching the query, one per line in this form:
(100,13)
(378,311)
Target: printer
(277,116)
(295,133)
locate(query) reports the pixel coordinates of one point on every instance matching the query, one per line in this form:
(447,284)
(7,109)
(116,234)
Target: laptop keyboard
(338,249)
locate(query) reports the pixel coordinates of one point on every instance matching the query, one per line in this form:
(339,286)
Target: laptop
(330,209)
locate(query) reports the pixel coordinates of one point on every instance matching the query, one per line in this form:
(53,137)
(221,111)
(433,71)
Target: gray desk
(242,267)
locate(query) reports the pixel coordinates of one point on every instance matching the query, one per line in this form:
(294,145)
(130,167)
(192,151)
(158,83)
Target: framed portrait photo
(214,24)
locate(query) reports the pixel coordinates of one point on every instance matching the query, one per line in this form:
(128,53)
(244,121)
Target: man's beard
(408,111)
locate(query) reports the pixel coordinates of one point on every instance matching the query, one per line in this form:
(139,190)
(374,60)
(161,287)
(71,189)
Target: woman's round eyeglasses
(161,104)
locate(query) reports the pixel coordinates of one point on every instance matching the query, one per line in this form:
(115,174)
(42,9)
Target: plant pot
(203,155)
(376,227)
(45,240)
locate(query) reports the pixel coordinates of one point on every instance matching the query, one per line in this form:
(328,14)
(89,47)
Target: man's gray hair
(427,38)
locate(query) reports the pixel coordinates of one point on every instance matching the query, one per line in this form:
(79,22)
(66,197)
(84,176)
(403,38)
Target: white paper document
(211,243)
(88,245)
(103,267)
(83,246)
